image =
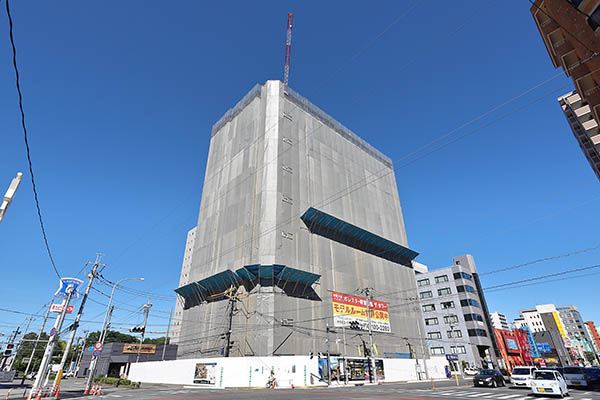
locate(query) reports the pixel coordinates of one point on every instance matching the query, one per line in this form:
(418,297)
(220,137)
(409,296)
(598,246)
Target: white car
(575,376)
(549,382)
(522,376)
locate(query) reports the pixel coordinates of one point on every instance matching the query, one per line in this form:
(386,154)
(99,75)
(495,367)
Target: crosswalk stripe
(511,396)
(480,394)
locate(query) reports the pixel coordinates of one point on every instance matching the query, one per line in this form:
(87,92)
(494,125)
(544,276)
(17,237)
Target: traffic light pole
(75,325)
(9,347)
(51,343)
(36,341)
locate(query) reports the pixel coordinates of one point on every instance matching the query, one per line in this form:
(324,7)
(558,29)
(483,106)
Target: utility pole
(167,338)
(146,312)
(328,358)
(37,340)
(82,351)
(345,359)
(75,325)
(10,194)
(9,347)
(367,292)
(70,291)
(18,348)
(229,325)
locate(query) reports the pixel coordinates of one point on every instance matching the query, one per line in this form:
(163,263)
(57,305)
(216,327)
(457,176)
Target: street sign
(98,346)
(91,348)
(64,284)
(52,332)
(452,357)
(59,308)
(95,353)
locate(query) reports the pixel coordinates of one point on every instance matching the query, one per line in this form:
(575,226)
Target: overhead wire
(30,164)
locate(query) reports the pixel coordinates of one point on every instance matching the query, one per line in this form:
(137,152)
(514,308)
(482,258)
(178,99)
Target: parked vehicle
(593,374)
(488,377)
(575,376)
(549,382)
(31,375)
(522,376)
(470,371)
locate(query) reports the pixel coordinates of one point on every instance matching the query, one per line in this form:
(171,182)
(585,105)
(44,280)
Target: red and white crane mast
(288,49)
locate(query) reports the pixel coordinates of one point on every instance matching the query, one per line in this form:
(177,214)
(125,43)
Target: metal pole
(18,348)
(75,325)
(229,324)
(167,338)
(422,340)
(328,358)
(94,360)
(371,363)
(52,342)
(37,340)
(345,359)
(146,312)
(81,352)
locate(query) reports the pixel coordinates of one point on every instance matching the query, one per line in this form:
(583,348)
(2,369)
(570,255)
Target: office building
(531,319)
(184,279)
(569,30)
(499,321)
(456,316)
(286,218)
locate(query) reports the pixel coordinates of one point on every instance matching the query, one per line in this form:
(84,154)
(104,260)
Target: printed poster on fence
(206,373)
(347,308)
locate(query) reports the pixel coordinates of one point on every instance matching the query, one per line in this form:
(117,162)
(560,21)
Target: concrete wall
(255,371)
(275,156)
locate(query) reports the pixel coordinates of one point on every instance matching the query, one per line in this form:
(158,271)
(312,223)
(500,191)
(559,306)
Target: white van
(575,376)
(522,376)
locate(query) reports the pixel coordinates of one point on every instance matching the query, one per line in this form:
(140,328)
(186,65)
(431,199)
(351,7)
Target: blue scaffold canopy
(214,288)
(333,228)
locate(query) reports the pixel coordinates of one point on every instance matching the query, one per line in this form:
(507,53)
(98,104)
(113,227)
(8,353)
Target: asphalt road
(407,391)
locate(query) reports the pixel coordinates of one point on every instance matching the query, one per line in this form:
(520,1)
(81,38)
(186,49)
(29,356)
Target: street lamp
(105,324)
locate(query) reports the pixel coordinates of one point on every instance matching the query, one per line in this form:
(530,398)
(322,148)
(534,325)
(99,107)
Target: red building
(514,348)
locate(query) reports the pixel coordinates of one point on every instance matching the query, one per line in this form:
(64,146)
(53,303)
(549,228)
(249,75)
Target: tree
(590,356)
(158,340)
(111,337)
(27,347)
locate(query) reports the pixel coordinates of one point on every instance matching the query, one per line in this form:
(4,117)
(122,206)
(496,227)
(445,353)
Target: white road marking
(479,394)
(510,396)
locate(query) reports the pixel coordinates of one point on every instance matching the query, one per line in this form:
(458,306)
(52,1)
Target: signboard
(452,357)
(59,308)
(64,284)
(512,344)
(206,373)
(133,348)
(543,347)
(568,343)
(348,308)
(52,332)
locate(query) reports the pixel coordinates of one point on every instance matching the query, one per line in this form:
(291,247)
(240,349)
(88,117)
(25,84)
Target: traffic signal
(137,329)
(9,348)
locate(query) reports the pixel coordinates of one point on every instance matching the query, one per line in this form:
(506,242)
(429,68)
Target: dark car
(594,374)
(488,377)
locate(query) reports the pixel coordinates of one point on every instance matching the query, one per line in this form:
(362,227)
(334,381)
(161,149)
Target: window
(447,304)
(451,319)
(444,291)
(465,288)
(428,307)
(434,335)
(437,351)
(441,279)
(473,317)
(431,321)
(477,332)
(454,334)
(469,302)
(425,295)
(594,19)
(423,282)
(462,275)
(458,350)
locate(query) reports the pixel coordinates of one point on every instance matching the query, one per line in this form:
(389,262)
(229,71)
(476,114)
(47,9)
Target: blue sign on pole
(64,284)
(91,348)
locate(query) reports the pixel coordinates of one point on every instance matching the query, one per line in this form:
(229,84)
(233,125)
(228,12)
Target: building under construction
(294,206)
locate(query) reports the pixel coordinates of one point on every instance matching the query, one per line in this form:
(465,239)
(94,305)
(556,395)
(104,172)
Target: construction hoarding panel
(347,308)
(205,373)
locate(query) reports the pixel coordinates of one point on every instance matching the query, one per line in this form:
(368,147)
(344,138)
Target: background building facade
(184,279)
(272,158)
(455,314)
(499,321)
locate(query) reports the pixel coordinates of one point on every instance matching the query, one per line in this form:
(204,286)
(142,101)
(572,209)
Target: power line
(35,193)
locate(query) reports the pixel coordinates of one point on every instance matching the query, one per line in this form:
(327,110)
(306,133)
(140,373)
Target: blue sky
(120,98)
